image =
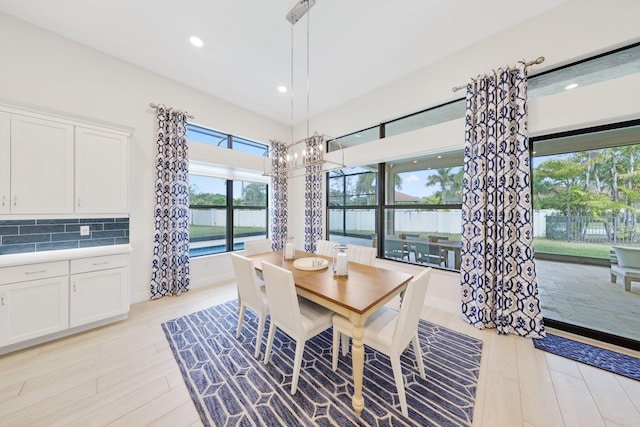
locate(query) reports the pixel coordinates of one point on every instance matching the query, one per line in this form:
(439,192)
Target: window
(352,205)
(207,215)
(217,202)
(586,192)
(423,210)
(220,139)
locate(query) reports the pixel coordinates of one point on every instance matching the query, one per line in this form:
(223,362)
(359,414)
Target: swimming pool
(210,250)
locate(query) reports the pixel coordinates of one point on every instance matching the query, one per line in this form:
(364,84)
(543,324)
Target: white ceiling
(355,45)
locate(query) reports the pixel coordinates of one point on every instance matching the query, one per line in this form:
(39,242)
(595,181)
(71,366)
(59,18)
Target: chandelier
(308,151)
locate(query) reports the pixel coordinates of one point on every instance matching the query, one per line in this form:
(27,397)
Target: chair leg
(259,333)
(267,351)
(613,278)
(418,352)
(627,284)
(344,344)
(397,376)
(240,319)
(335,349)
(297,363)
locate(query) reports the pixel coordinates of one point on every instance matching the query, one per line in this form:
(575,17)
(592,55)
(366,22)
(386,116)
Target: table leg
(357,354)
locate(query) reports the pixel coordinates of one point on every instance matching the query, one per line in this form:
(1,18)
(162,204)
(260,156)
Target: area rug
(231,388)
(608,360)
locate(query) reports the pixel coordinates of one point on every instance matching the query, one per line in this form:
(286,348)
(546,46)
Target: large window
(352,205)
(224,140)
(586,192)
(422,210)
(215,203)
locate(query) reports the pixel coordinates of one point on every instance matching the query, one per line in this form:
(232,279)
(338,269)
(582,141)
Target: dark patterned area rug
(608,360)
(231,388)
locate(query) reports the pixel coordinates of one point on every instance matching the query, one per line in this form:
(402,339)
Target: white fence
(218,217)
(415,220)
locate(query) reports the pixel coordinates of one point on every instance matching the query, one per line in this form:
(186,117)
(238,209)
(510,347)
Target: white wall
(575,30)
(42,69)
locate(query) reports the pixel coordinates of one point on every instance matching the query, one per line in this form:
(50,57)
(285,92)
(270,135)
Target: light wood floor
(125,375)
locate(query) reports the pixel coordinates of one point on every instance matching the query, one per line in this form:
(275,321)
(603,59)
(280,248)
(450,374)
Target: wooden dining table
(356,296)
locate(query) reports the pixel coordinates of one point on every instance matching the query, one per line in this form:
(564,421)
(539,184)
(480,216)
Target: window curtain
(498,277)
(313,226)
(279,184)
(170,269)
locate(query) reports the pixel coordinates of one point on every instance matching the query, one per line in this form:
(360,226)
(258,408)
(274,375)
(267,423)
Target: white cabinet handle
(78,201)
(101,263)
(35,272)
(2,300)
(15,200)
(4,200)
(74,287)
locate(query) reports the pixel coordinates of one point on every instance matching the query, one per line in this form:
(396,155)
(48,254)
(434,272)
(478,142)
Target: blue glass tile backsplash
(37,235)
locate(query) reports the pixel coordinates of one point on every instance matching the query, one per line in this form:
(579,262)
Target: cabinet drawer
(43,270)
(84,265)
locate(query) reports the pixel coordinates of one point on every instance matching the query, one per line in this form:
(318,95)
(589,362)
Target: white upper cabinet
(5,162)
(102,168)
(41,166)
(54,165)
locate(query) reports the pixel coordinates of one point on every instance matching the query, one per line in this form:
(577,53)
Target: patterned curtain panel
(279,189)
(497,274)
(313,227)
(170,270)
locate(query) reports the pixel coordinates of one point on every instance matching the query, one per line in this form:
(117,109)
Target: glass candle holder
(289,251)
(340,261)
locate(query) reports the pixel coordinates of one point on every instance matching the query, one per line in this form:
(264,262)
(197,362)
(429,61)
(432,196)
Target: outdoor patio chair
(628,267)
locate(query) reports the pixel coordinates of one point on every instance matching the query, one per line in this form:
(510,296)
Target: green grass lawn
(196,231)
(592,250)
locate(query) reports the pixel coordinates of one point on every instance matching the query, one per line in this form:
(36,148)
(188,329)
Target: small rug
(608,360)
(231,388)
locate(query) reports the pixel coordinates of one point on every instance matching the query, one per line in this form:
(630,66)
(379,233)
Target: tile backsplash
(37,235)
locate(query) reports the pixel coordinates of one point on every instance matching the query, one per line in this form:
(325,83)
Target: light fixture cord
(291,83)
(308,20)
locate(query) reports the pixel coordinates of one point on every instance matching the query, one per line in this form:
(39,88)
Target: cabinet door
(34,308)
(41,166)
(5,162)
(98,295)
(102,168)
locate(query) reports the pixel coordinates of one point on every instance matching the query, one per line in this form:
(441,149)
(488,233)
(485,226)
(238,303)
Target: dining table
(356,296)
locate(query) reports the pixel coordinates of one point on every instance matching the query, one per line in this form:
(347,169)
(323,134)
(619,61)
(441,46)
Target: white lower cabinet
(33,308)
(99,291)
(48,300)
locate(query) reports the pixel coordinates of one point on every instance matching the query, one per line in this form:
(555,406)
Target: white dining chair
(251,294)
(361,254)
(390,331)
(299,319)
(252,247)
(324,247)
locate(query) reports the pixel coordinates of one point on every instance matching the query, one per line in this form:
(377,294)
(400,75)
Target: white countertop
(64,254)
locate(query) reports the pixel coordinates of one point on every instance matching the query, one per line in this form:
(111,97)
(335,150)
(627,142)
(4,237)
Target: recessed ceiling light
(282,89)
(571,86)
(439,157)
(357,135)
(415,161)
(196,41)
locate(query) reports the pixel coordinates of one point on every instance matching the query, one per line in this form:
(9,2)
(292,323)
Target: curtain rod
(154,106)
(537,61)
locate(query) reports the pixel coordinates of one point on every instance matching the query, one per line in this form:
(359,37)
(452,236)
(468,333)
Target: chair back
(411,308)
(393,248)
(282,299)
(252,247)
(361,254)
(248,284)
(324,248)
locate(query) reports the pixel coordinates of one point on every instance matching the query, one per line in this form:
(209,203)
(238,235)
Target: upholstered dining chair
(252,247)
(324,247)
(390,331)
(299,319)
(251,295)
(361,254)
